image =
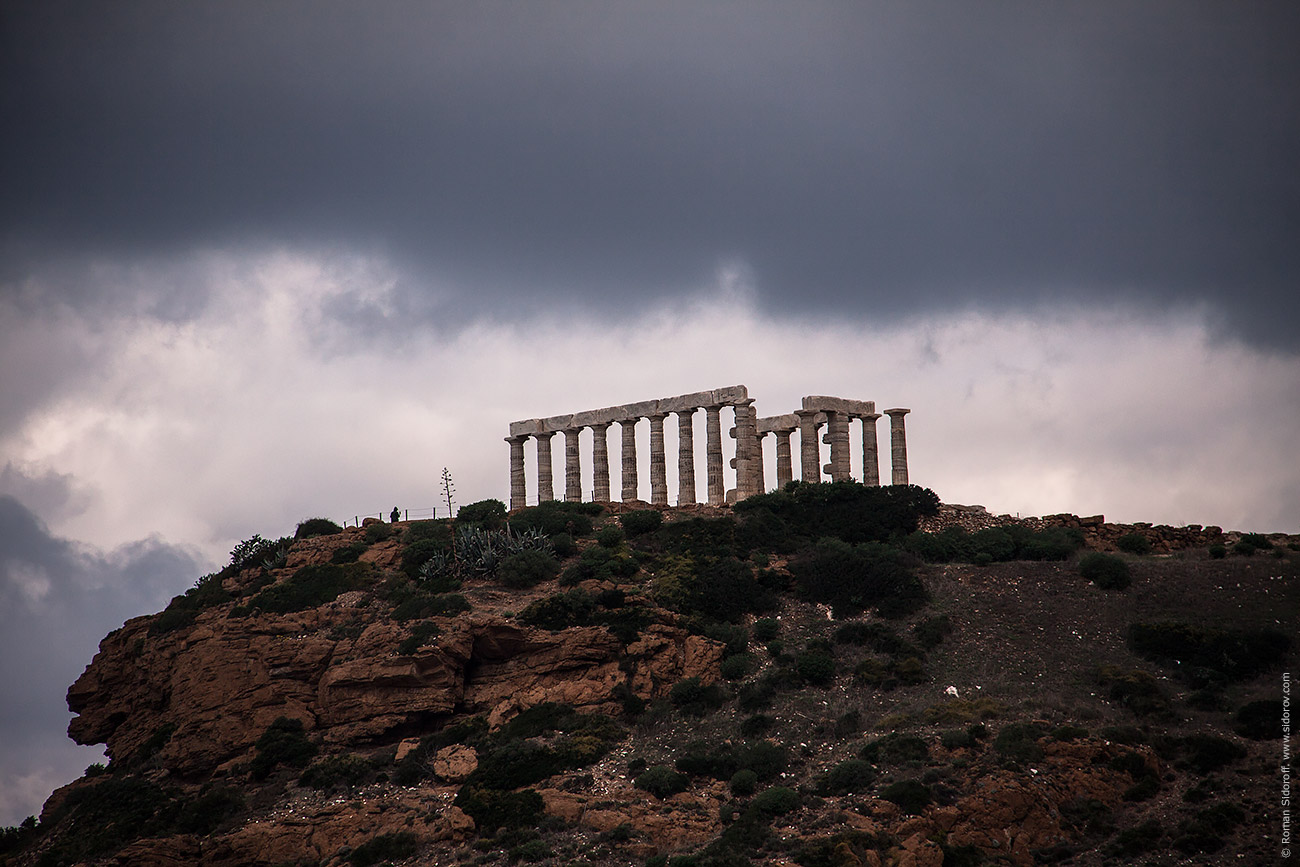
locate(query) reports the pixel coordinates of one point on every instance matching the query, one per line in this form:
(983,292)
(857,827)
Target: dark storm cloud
(881,158)
(57,600)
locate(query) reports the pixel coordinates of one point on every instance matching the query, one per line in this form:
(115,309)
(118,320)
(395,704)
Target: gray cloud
(57,600)
(866,158)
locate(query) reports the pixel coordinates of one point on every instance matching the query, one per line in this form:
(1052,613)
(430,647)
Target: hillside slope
(806,679)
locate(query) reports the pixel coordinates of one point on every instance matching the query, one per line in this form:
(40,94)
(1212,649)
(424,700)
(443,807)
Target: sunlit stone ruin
(834,414)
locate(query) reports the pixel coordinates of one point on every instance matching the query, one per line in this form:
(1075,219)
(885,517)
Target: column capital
(896,411)
(522,438)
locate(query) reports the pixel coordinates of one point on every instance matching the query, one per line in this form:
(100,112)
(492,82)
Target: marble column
(748,470)
(658,464)
(810,457)
(544,481)
(837,437)
(572,467)
(600,459)
(760,472)
(870,453)
(898,445)
(784,470)
(713,456)
(685,459)
(628,456)
(518,481)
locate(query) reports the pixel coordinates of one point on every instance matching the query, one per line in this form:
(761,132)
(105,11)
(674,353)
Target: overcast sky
(261,261)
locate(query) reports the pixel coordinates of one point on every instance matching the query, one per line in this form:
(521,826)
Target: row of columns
(749,432)
(628,460)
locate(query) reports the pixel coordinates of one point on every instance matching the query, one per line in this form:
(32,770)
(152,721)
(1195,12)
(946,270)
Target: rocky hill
(832,675)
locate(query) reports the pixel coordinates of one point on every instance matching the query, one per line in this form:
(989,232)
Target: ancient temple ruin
(816,412)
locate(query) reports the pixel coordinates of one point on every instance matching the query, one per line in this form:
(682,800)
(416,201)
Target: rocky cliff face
(325,708)
(217,685)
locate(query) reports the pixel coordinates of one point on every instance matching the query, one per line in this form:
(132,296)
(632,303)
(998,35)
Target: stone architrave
(898,444)
(545,489)
(685,458)
(628,459)
(518,479)
(837,437)
(658,463)
(810,458)
(713,455)
(870,452)
(572,466)
(784,469)
(600,462)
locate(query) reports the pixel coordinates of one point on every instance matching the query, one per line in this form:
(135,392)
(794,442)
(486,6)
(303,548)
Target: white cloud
(264,409)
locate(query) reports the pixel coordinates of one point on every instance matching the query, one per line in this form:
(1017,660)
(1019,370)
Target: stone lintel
(825,403)
(729,396)
(788,423)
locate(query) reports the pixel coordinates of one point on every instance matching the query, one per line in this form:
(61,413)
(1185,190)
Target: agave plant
(439,565)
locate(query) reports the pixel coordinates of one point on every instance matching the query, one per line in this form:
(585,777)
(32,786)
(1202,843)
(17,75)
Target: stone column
(784,470)
(518,481)
(744,433)
(870,454)
(760,472)
(600,458)
(658,464)
(544,482)
(810,458)
(629,459)
(837,437)
(713,456)
(572,467)
(898,444)
(685,459)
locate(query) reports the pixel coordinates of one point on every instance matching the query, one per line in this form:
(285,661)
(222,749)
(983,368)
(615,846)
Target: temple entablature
(816,412)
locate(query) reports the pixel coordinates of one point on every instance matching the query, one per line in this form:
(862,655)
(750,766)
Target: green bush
(661,781)
(1106,571)
(765,629)
(816,667)
(1233,654)
(640,522)
(108,815)
(378,532)
(350,553)
(776,801)
(1133,543)
(574,607)
(737,667)
(852,579)
(527,569)
(693,697)
(1259,720)
(311,586)
(721,761)
(931,631)
(848,777)
(895,748)
(1218,552)
(1137,840)
(1204,832)
(610,537)
(846,510)
(492,809)
(283,743)
(1018,742)
(563,545)
(743,783)
(336,772)
(422,634)
(489,514)
(1257,540)
(316,527)
(911,796)
(557,516)
(1205,754)
(1135,689)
